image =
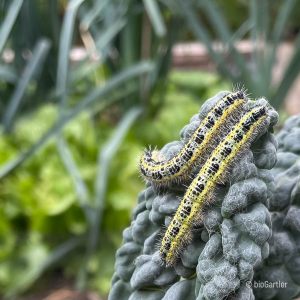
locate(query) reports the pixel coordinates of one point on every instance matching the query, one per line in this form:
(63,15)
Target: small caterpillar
(203,139)
(202,188)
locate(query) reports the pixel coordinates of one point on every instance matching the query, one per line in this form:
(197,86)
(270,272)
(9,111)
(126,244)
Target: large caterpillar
(205,137)
(202,188)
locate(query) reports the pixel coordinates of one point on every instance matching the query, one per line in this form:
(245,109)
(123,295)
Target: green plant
(226,247)
(266,27)
(58,173)
(114,76)
(45,209)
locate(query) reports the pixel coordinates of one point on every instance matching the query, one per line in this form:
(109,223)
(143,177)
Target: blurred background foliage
(84,86)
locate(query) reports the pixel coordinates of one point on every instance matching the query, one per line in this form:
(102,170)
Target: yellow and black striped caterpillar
(201,190)
(198,147)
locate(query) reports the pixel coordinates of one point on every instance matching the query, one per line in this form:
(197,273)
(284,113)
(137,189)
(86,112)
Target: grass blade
(242,31)
(96,95)
(70,165)
(7,74)
(281,20)
(108,151)
(9,21)
(130,36)
(64,49)
(202,34)
(105,155)
(92,14)
(259,14)
(155,17)
(218,22)
(105,37)
(162,68)
(290,74)
(279,26)
(33,66)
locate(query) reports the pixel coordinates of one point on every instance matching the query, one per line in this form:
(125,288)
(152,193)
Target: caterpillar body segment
(177,169)
(201,190)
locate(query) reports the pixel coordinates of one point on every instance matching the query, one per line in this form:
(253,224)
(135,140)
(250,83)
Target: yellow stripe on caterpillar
(198,147)
(202,188)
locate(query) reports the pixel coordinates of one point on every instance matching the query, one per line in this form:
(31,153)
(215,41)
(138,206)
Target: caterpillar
(202,140)
(201,190)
